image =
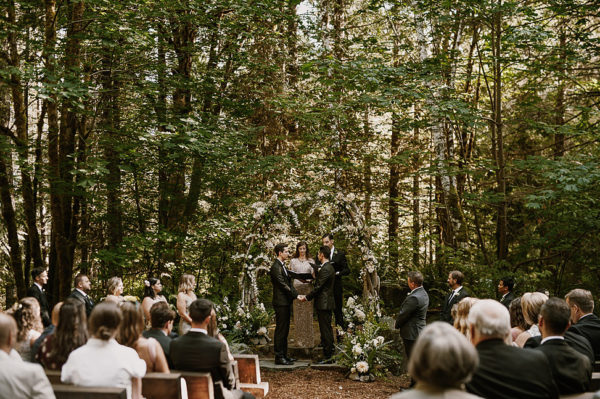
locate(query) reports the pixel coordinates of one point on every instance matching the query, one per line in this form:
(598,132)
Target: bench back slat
(199,385)
(75,392)
(162,386)
(248,368)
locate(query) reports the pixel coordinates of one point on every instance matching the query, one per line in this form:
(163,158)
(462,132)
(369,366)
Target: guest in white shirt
(19,379)
(102,361)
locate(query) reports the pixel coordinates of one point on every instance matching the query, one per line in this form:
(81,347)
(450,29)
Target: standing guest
(571,370)
(462,313)
(505,371)
(323,293)
(71,333)
(455,280)
(284,294)
(35,348)
(518,325)
(19,379)
(185,297)
(505,288)
(162,318)
(102,362)
(152,289)
(82,288)
(39,275)
(197,351)
(411,319)
(29,323)
(130,334)
(443,360)
(115,290)
(531,304)
(585,323)
(340,265)
(303,311)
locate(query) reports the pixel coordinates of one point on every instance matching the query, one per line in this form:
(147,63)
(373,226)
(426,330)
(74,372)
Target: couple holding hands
(326,280)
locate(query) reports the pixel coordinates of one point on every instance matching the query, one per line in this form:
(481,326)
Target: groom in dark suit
(40,278)
(284,294)
(340,265)
(82,287)
(197,351)
(455,280)
(324,302)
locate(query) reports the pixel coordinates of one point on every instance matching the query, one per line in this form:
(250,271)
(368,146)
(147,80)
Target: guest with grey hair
(505,371)
(442,361)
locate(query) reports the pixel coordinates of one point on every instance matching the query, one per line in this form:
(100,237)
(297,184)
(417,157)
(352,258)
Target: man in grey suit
(19,379)
(323,293)
(411,319)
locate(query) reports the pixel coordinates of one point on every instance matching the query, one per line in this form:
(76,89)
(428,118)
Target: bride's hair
(300,244)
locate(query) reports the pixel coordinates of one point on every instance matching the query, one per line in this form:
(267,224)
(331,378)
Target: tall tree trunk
(559,137)
(416,217)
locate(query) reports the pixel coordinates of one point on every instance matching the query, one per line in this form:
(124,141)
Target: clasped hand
(302,298)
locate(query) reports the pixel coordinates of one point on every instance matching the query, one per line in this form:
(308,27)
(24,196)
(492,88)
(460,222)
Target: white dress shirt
(19,379)
(103,364)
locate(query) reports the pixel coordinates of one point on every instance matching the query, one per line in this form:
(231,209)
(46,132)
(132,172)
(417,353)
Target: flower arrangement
(357,312)
(366,353)
(241,324)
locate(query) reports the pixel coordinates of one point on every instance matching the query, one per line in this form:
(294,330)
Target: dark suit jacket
(163,340)
(446,314)
(323,289)
(575,341)
(38,294)
(508,299)
(589,327)
(571,370)
(411,319)
(284,292)
(340,265)
(86,300)
(196,351)
(508,372)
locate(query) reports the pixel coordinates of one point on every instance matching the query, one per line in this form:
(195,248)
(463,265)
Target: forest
(152,138)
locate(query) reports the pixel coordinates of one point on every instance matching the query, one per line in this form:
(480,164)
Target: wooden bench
(199,385)
(596,365)
(249,375)
(53,376)
(164,386)
(75,392)
(595,384)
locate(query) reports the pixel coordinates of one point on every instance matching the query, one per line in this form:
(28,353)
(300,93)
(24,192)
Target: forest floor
(328,384)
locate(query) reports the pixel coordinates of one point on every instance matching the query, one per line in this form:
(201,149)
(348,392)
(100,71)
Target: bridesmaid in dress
(185,297)
(303,311)
(152,289)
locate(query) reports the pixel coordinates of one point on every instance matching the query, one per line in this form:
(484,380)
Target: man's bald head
(8,332)
(56,313)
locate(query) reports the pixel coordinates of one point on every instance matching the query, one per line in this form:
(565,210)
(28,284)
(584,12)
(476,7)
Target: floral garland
(240,324)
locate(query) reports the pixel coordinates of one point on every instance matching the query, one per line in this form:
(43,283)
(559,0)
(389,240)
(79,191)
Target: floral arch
(273,221)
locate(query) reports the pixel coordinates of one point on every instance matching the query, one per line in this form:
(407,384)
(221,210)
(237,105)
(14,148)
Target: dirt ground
(318,384)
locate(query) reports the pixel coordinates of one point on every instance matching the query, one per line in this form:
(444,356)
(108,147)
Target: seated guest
(197,351)
(571,370)
(39,275)
(442,361)
(162,318)
(115,290)
(71,333)
(585,323)
(82,288)
(518,325)
(575,341)
(102,362)
(462,312)
(531,304)
(505,371)
(29,324)
(19,379)
(35,348)
(130,334)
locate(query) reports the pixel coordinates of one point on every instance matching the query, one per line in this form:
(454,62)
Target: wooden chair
(53,376)
(63,391)
(199,385)
(164,386)
(595,384)
(249,375)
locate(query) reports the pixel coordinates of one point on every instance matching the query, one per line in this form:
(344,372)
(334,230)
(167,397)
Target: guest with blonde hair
(462,313)
(442,361)
(114,287)
(29,323)
(185,297)
(531,304)
(130,334)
